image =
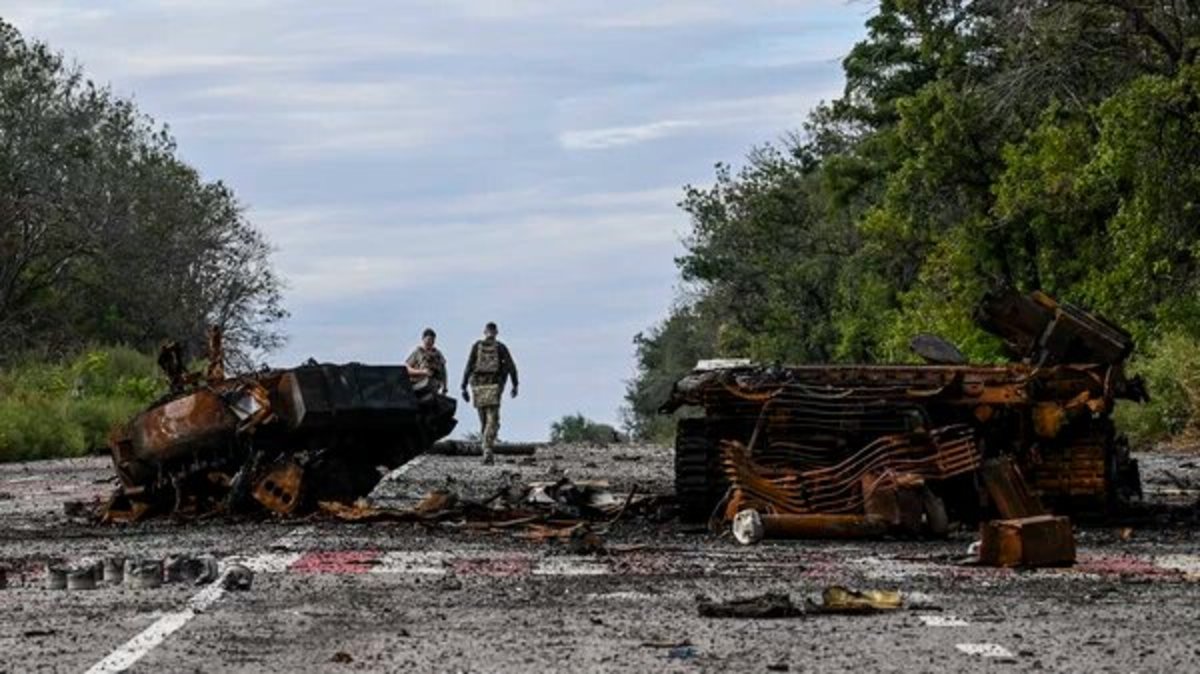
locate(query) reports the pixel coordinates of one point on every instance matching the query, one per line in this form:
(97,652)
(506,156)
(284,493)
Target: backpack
(487,357)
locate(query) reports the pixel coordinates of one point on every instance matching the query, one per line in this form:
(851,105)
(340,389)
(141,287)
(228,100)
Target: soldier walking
(429,359)
(488,369)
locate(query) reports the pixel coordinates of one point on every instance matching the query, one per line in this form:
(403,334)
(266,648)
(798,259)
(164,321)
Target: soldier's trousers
(489,423)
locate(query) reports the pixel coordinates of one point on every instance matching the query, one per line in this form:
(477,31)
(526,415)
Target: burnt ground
(336,597)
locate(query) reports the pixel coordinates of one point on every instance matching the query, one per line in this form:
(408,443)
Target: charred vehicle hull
(279,440)
(831,439)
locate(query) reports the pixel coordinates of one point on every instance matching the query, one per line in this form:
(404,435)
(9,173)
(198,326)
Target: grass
(67,408)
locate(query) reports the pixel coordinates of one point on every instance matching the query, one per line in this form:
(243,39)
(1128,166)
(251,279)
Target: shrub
(1171,368)
(578,428)
(57,409)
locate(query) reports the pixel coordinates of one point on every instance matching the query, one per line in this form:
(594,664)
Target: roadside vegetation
(576,428)
(1051,145)
(107,238)
(68,408)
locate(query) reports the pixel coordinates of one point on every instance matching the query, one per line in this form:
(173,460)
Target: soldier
(428,361)
(488,368)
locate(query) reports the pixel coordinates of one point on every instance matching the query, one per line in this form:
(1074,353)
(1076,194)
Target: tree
(576,428)
(1041,143)
(105,235)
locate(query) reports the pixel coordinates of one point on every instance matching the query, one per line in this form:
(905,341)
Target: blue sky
(450,162)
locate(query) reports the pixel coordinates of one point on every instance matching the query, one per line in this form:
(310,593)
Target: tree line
(1050,144)
(106,235)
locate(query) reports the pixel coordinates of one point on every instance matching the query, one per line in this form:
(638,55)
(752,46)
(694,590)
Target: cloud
(334,253)
(616,136)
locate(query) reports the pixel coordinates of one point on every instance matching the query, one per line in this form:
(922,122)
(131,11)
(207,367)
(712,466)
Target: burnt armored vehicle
(824,439)
(279,440)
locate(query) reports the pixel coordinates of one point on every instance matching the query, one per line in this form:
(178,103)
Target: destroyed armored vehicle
(279,440)
(834,439)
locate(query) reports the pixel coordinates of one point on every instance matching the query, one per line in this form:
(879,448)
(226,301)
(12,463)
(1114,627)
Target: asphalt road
(338,597)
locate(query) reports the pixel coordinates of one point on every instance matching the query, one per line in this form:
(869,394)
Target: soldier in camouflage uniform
(489,367)
(429,360)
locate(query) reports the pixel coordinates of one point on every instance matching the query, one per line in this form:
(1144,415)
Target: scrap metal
(879,440)
(276,440)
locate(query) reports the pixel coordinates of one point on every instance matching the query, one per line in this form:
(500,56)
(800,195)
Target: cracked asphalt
(337,597)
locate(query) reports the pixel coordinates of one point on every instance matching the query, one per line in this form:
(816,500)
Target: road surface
(337,597)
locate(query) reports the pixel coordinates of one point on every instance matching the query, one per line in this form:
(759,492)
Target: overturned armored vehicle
(279,440)
(831,439)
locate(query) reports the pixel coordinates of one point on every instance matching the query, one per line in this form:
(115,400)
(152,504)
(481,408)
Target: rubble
(237,578)
(562,510)
(838,599)
(1037,541)
(829,451)
(277,441)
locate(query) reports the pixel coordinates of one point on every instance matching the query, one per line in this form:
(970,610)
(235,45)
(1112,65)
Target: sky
(450,162)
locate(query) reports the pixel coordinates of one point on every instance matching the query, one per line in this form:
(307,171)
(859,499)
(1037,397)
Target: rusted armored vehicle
(279,440)
(829,439)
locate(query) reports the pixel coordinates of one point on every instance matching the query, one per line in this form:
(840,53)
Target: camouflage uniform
(489,367)
(432,361)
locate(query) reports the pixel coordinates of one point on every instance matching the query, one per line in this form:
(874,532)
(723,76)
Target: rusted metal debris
(1041,540)
(915,446)
(277,440)
(540,511)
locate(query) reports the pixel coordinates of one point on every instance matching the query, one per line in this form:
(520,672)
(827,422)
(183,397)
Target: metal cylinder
(143,574)
(114,570)
(82,578)
(56,578)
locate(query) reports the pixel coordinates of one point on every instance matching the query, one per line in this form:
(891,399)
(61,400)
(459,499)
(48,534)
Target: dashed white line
(985,650)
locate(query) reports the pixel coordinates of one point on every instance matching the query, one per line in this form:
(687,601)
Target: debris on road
(750,527)
(909,445)
(562,510)
(143,574)
(82,578)
(1041,540)
(838,599)
(113,570)
(276,440)
(237,578)
(191,570)
(769,605)
(56,578)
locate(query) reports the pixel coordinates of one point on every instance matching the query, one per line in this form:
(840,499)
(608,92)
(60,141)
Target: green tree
(576,428)
(105,235)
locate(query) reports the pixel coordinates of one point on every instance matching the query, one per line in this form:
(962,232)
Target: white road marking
(148,639)
(1188,564)
(402,470)
(273,562)
(420,563)
(293,538)
(570,566)
(622,596)
(985,650)
(942,620)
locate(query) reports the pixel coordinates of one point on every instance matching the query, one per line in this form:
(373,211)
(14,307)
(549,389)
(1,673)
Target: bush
(578,428)
(62,409)
(1171,369)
